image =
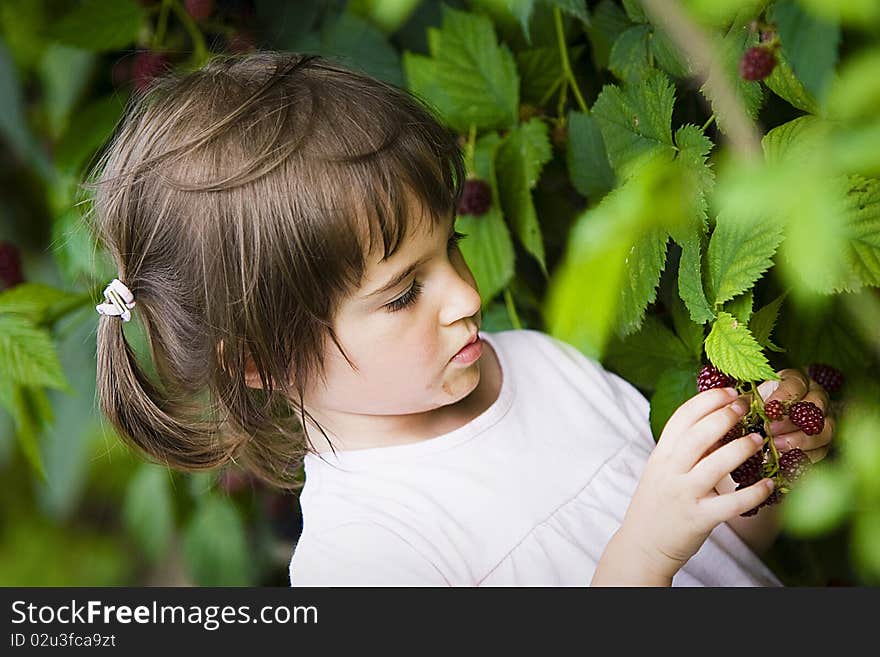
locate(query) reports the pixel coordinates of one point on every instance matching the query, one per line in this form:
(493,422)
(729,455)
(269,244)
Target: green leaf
(31,413)
(608,22)
(731,348)
(28,356)
(749,94)
(741,307)
(740,251)
(32,300)
(630,57)
(690,277)
(65,73)
(785,84)
(488,248)
(674,387)
(644,262)
(635,11)
(215,547)
(520,159)
(586,156)
(819,502)
(148,510)
(636,121)
(689,332)
(470,77)
(540,70)
(866,541)
(668,56)
(644,356)
(575,8)
(361,45)
(89,129)
(762,322)
(14,128)
(100,25)
(809,43)
(862,233)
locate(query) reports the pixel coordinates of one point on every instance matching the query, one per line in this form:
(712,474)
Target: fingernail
(770,485)
(739,406)
(733,392)
(757,438)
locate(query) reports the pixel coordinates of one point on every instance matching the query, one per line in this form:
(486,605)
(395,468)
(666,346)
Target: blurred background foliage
(613,221)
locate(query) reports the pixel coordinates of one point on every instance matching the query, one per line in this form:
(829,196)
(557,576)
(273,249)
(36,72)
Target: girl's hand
(675,506)
(798,386)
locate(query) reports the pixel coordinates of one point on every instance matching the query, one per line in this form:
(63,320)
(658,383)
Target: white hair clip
(119,300)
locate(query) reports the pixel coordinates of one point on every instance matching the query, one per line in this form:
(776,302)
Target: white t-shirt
(526,494)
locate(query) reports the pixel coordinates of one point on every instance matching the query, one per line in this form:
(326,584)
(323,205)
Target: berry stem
(469,148)
(200,52)
(708,123)
(161,24)
(566,66)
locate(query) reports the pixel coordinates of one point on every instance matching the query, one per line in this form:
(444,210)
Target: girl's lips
(469,353)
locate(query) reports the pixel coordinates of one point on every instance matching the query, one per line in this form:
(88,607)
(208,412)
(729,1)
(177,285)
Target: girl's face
(413,313)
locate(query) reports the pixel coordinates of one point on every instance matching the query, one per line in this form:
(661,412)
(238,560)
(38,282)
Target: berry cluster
(784,468)
(826,376)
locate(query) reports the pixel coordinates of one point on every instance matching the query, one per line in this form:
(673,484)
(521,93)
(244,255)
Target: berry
(774,409)
(773,498)
(756,426)
(793,464)
(826,376)
(10,265)
(749,471)
(737,431)
(146,67)
(757,63)
(199,9)
(476,199)
(710,377)
(807,417)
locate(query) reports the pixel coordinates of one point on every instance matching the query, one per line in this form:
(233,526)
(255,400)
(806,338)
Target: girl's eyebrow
(398,278)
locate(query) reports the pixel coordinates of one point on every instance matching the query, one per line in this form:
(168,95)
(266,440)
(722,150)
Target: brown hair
(234,201)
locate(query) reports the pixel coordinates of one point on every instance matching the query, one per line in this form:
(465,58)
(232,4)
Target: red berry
(10,265)
(199,9)
(737,431)
(794,463)
(749,471)
(826,376)
(146,67)
(710,377)
(773,498)
(808,417)
(757,63)
(476,198)
(774,409)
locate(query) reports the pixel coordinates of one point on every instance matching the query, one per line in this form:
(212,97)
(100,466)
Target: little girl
(285,230)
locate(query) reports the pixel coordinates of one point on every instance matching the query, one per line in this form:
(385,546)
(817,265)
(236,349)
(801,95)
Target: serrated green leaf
(741,307)
(762,322)
(809,43)
(27,406)
(643,356)
(608,22)
(636,121)
(635,11)
(668,56)
(819,502)
(488,248)
(100,25)
(28,355)
(586,156)
(148,510)
(690,278)
(540,70)
(630,57)
(862,233)
(361,45)
(519,161)
(470,77)
(215,547)
(32,300)
(740,251)
(644,262)
(674,388)
(784,83)
(731,348)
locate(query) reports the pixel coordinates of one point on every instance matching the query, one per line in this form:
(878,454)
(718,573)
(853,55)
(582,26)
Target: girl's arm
(759,531)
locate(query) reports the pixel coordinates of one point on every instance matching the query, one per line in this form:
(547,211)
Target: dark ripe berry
(794,463)
(737,431)
(826,376)
(757,426)
(146,67)
(476,199)
(710,377)
(774,409)
(773,498)
(757,63)
(10,265)
(750,471)
(199,9)
(808,417)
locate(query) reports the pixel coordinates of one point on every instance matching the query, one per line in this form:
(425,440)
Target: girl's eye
(412,294)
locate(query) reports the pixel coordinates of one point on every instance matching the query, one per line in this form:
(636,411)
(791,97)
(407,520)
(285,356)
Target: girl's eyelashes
(412,294)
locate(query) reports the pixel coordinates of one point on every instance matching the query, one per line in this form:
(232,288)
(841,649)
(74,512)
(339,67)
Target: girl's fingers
(692,411)
(724,460)
(703,435)
(785,425)
(720,508)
